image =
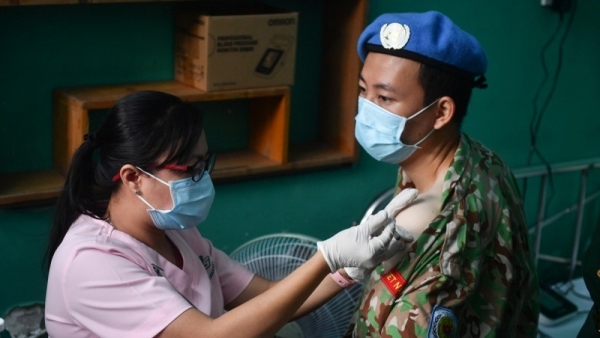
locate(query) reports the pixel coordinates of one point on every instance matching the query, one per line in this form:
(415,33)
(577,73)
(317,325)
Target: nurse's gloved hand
(359,274)
(398,203)
(401,235)
(393,208)
(369,243)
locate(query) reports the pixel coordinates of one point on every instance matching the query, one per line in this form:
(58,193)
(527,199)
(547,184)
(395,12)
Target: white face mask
(378,131)
(191,203)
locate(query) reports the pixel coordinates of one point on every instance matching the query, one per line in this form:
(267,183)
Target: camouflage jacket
(470,273)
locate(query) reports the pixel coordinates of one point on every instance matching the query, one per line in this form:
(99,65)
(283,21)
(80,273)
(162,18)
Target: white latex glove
(369,243)
(359,274)
(401,235)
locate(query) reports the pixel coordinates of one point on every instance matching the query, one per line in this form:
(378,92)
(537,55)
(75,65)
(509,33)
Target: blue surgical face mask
(191,203)
(378,131)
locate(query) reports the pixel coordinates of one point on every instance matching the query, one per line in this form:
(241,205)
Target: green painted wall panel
(55,46)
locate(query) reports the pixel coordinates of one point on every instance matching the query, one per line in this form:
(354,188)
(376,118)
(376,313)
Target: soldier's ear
(445,108)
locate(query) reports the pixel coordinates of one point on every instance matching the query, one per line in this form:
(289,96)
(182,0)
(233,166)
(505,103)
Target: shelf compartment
(268,127)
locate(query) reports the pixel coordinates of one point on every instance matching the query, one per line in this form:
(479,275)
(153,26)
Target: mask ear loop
(424,109)
(137,193)
(416,145)
(154,177)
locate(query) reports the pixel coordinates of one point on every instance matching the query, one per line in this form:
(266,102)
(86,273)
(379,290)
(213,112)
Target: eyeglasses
(198,169)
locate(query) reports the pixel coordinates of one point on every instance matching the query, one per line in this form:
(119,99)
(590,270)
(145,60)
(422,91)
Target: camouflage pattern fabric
(473,261)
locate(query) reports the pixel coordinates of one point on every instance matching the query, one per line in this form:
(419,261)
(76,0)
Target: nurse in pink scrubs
(128,261)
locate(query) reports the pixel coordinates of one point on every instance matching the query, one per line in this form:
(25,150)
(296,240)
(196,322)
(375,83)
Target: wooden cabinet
(269,150)
(268,130)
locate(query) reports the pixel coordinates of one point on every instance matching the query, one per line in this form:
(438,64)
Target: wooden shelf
(71,2)
(35,186)
(268,129)
(26,187)
(235,165)
(268,151)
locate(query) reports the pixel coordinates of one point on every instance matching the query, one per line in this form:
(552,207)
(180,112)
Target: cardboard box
(235,46)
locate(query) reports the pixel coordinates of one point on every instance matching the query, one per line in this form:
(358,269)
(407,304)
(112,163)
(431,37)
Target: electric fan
(276,256)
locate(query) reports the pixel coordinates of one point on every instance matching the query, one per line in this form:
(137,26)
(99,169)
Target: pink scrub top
(105,283)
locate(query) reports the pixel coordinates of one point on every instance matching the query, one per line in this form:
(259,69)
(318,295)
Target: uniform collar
(462,162)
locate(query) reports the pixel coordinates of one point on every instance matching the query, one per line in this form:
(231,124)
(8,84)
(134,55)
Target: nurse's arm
(260,316)
(326,290)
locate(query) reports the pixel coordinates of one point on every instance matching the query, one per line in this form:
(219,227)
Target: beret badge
(394,35)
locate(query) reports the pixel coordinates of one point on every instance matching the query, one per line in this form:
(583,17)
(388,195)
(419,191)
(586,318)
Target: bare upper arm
(187,324)
(194,323)
(257,286)
(260,313)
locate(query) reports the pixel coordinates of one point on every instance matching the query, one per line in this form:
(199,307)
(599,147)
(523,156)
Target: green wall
(45,47)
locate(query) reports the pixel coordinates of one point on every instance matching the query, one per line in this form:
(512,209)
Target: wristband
(341,280)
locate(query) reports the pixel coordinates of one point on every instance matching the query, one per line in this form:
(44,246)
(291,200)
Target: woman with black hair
(128,261)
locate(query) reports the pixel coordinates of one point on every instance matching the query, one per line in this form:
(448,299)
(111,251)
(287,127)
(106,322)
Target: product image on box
(274,55)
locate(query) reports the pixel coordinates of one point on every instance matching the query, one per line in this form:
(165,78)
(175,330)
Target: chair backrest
(545,174)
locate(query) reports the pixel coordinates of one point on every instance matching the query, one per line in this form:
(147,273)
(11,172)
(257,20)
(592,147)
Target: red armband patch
(394,281)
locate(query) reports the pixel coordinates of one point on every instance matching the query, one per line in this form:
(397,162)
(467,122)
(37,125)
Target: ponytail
(77,195)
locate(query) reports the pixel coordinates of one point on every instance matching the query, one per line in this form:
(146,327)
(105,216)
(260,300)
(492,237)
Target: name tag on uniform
(394,281)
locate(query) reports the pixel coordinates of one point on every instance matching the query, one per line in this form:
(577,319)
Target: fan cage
(276,256)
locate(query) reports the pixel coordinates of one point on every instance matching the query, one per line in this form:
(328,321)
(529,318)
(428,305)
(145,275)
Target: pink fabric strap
(341,280)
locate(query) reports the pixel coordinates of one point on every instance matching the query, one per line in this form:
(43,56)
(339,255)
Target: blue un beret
(430,38)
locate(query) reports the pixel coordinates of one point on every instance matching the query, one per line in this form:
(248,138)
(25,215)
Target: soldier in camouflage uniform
(469,272)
